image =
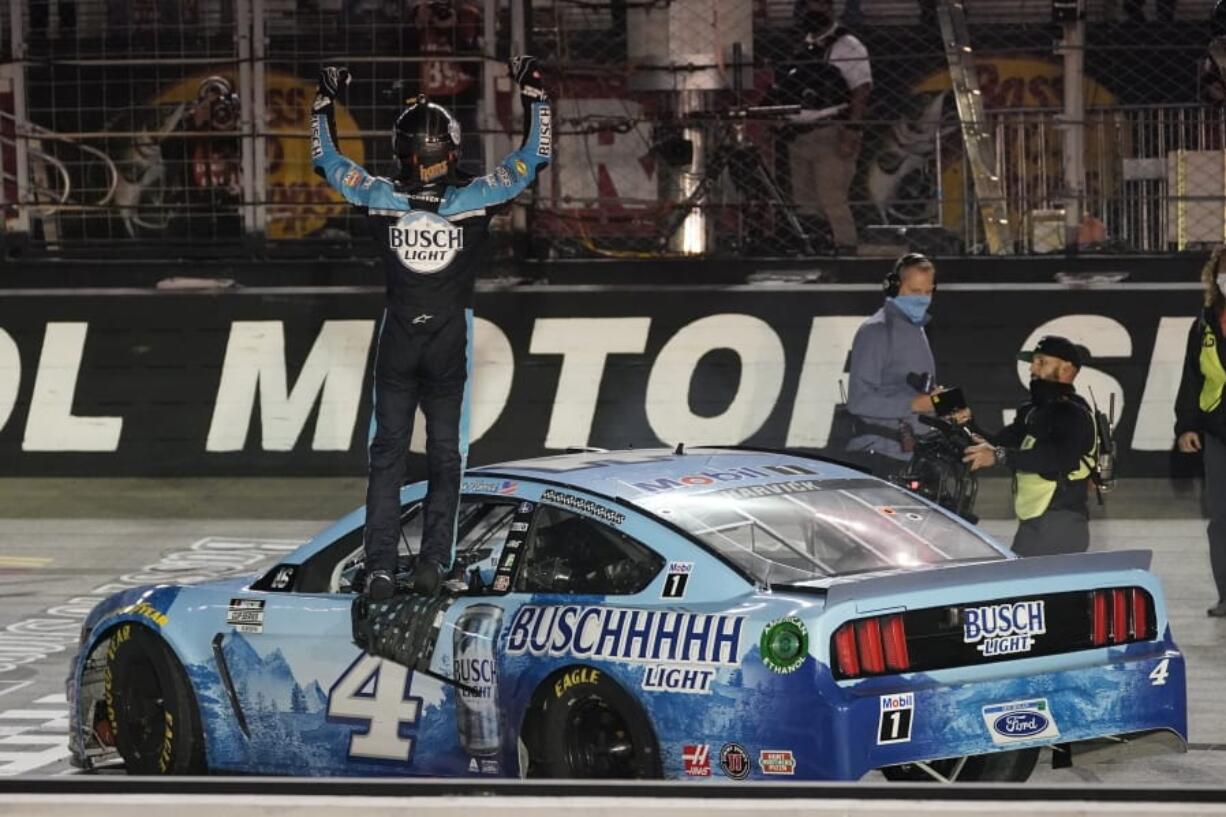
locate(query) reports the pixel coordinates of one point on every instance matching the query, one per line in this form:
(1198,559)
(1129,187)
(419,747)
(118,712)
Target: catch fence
(683,127)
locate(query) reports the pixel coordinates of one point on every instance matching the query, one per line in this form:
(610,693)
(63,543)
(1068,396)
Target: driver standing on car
(431,223)
(892,369)
(1050,445)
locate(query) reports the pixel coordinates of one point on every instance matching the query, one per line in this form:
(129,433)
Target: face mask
(1221,282)
(915,307)
(1041,391)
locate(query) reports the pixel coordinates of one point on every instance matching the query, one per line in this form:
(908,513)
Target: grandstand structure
(161,126)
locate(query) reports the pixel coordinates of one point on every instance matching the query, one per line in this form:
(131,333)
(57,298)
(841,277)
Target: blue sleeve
(870,394)
(513,175)
(346,176)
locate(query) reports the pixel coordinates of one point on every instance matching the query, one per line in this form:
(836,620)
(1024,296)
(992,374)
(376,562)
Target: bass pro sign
(247,383)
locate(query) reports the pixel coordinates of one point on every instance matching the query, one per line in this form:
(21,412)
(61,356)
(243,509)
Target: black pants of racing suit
(424,364)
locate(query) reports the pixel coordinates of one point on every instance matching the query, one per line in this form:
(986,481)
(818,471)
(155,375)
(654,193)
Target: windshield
(795,531)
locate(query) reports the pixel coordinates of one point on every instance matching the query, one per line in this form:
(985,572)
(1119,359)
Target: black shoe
(1218,610)
(380,586)
(427,577)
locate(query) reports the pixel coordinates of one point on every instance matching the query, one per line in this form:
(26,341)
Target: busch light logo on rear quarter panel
(1004,629)
(1020,721)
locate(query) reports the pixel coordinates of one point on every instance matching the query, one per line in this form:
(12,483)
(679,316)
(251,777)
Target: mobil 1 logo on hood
(425,242)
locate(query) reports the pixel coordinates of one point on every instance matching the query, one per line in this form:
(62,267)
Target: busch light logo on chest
(1004,629)
(475,668)
(425,242)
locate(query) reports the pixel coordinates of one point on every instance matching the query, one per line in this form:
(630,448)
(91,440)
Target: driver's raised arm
(516,172)
(344,175)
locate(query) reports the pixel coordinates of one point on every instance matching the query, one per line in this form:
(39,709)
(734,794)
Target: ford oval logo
(1020,724)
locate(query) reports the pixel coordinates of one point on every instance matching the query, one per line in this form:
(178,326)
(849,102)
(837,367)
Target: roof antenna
(680,449)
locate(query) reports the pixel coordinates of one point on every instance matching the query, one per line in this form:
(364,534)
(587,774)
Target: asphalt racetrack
(65,543)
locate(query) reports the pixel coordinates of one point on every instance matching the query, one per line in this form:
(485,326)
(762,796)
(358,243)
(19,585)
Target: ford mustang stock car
(710,614)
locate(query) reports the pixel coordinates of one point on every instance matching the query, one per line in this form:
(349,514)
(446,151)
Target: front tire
(998,767)
(593,730)
(150,705)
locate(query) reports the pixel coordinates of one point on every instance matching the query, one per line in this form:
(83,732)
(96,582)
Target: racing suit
(433,241)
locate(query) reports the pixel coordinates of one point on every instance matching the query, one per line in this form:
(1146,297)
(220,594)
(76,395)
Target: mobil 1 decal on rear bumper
(681,651)
(897,715)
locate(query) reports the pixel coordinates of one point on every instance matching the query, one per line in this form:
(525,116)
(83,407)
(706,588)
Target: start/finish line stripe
(31,739)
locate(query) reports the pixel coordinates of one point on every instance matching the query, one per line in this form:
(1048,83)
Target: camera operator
(831,68)
(892,369)
(1051,446)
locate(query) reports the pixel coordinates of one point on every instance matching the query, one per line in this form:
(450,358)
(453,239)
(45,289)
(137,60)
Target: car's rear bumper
(1066,699)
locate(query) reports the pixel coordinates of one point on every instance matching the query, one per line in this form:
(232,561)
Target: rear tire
(997,767)
(150,705)
(594,730)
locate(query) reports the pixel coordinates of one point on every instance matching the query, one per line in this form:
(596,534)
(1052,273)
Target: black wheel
(150,705)
(590,728)
(997,767)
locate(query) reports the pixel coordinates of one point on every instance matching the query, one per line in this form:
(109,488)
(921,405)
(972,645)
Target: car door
(573,568)
(314,703)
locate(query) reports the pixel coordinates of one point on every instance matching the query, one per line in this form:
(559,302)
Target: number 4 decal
(1158,676)
(384,707)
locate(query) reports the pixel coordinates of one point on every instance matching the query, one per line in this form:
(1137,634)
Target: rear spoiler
(1035,567)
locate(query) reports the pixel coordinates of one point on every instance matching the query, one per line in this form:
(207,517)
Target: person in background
(1211,72)
(892,372)
(1050,446)
(830,69)
(1200,419)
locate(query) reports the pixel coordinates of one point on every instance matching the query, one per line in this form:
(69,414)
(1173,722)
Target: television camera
(936,469)
(733,152)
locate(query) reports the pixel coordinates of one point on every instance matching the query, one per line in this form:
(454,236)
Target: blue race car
(712,614)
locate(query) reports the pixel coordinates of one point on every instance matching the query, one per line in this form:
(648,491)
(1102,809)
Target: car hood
(159,596)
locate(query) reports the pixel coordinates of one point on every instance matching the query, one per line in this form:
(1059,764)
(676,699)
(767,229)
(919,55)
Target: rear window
(801,530)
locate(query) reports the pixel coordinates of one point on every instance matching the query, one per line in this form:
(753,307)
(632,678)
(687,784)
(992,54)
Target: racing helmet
(425,142)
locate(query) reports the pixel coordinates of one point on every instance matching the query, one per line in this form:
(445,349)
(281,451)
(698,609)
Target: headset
(893,278)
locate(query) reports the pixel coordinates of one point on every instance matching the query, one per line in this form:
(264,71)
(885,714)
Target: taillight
(1120,615)
(1098,619)
(1140,614)
(868,635)
(845,651)
(894,635)
(871,646)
